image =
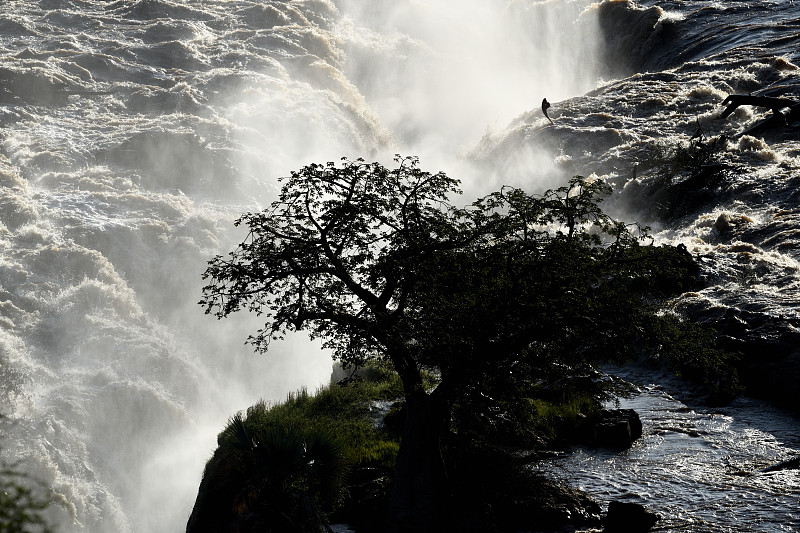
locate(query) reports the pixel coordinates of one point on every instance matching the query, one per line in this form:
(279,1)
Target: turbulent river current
(133,133)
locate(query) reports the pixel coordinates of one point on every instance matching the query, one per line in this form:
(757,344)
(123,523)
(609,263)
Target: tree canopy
(380,264)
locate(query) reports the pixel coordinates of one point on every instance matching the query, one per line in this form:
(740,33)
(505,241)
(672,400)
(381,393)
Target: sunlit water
(697,467)
(135,132)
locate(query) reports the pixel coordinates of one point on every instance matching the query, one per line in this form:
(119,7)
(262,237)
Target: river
(699,468)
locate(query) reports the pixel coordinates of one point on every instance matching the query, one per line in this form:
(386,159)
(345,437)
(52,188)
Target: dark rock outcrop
(628,517)
(537,503)
(617,429)
(495,489)
(789,464)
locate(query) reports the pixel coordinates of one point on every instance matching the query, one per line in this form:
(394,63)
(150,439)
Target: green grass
(344,410)
(563,418)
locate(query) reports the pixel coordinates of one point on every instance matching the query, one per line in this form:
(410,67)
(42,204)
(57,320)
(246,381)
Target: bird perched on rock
(545,105)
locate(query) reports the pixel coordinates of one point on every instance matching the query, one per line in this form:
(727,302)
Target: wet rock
(627,517)
(723,223)
(542,504)
(789,464)
(617,429)
(495,489)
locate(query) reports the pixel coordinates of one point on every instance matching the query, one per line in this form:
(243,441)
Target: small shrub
(381,454)
(668,161)
(691,350)
(21,503)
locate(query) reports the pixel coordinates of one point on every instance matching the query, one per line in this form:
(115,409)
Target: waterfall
(136,131)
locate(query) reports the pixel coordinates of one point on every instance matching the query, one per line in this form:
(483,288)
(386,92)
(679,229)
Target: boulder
(617,428)
(627,517)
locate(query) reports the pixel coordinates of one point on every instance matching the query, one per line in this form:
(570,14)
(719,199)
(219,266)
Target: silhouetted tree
(379,263)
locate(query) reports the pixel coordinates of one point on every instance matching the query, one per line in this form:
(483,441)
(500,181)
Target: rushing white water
(133,134)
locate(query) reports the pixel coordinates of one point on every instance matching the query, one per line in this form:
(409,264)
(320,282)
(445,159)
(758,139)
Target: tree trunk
(420,500)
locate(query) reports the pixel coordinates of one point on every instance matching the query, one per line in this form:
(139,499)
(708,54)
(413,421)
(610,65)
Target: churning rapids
(135,131)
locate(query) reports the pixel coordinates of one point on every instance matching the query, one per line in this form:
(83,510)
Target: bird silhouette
(545,105)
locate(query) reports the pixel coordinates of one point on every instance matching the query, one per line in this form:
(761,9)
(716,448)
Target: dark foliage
(269,478)
(22,502)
